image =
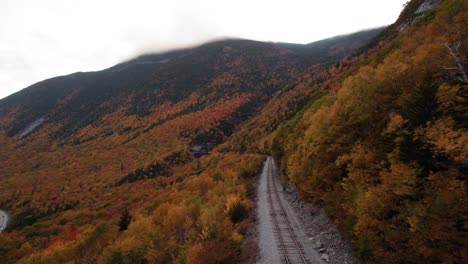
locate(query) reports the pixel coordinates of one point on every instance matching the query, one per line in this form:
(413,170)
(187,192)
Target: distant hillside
(79,149)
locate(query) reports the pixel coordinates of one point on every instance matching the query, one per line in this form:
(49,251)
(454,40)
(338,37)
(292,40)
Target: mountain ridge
(110,83)
(375,135)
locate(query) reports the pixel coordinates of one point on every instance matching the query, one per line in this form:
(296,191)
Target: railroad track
(289,247)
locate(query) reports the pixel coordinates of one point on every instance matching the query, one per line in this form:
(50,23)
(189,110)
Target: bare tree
(458,58)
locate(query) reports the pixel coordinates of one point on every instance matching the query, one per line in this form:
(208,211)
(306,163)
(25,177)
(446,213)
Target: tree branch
(456,57)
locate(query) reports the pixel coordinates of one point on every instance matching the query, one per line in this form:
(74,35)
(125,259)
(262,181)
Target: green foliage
(26,218)
(29,216)
(364,250)
(250,169)
(118,256)
(89,249)
(152,171)
(100,229)
(238,212)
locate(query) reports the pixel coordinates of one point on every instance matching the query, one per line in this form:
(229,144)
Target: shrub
(250,169)
(238,212)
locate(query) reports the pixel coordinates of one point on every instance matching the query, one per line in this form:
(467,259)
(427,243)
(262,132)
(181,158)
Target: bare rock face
(427,5)
(404,26)
(31,127)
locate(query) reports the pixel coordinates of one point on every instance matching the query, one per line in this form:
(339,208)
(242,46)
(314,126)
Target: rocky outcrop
(31,127)
(425,6)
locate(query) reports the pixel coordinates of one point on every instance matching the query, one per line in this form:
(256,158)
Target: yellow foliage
(445,140)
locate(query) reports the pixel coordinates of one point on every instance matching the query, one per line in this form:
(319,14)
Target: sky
(47,38)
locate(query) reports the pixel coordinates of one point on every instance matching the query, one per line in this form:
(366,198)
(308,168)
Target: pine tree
(125,220)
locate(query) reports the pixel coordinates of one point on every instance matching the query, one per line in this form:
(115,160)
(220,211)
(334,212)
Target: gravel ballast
(320,237)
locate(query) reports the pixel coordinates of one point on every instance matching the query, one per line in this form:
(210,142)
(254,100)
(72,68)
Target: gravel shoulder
(320,230)
(319,236)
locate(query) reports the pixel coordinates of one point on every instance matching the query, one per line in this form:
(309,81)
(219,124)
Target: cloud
(42,39)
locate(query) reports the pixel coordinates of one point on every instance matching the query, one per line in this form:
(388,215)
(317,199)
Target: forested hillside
(153,160)
(135,163)
(386,150)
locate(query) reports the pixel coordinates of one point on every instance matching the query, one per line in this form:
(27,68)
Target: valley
(348,149)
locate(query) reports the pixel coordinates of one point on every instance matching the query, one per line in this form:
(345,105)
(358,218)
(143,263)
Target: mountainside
(220,69)
(75,148)
(153,159)
(387,153)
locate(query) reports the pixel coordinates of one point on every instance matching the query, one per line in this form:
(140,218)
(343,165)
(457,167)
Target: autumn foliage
(387,154)
(376,135)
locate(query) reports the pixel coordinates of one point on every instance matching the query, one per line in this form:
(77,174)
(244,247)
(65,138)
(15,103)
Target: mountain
(153,160)
(78,144)
(81,99)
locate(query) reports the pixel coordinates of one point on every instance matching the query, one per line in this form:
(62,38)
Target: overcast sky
(40,39)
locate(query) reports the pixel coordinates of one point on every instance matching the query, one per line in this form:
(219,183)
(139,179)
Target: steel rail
(275,221)
(297,245)
(283,212)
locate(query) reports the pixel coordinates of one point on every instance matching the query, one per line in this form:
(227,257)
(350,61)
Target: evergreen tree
(125,220)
